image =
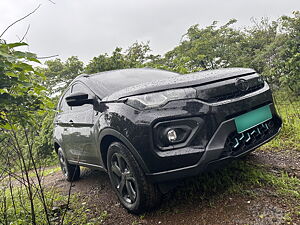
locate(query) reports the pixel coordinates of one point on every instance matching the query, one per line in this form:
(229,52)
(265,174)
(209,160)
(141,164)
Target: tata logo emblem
(242,84)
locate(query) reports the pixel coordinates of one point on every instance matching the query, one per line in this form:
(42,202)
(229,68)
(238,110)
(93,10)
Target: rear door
(82,132)
(63,126)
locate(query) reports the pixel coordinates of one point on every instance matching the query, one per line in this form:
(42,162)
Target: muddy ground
(263,207)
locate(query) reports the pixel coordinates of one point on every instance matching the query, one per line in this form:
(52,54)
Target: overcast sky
(92,27)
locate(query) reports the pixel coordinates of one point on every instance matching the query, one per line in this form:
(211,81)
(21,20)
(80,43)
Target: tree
(207,48)
(288,58)
(59,74)
(137,55)
(104,62)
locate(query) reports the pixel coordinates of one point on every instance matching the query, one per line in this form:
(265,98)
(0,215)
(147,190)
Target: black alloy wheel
(62,163)
(123,178)
(70,172)
(135,193)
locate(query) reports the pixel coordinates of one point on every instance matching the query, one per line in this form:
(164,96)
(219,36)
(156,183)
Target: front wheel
(128,180)
(70,172)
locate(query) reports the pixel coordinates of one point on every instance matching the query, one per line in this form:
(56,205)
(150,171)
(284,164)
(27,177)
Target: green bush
(44,148)
(288,107)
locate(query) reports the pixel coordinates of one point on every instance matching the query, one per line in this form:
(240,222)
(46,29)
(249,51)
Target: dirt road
(253,205)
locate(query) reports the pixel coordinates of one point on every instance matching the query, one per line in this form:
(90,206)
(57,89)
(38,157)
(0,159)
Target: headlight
(157,99)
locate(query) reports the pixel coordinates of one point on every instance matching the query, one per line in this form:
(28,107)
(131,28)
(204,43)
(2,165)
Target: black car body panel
(169,80)
(206,121)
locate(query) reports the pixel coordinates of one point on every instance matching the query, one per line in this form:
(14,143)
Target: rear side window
(63,106)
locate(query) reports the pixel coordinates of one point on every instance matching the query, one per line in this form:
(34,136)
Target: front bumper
(220,149)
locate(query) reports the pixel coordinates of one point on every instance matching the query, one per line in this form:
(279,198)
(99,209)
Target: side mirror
(78,99)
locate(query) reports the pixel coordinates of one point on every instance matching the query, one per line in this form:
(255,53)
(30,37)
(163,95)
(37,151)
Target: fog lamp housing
(172,135)
(168,135)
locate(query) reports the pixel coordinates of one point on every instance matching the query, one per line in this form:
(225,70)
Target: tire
(135,193)
(70,172)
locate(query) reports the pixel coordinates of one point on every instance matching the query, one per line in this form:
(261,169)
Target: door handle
(71,122)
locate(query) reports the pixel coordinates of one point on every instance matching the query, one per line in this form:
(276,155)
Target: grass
(289,110)
(45,172)
(19,212)
(239,178)
(243,180)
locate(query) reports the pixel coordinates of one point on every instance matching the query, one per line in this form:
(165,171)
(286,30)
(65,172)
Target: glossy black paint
(85,132)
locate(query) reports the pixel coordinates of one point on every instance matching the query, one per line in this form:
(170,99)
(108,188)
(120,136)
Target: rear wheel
(71,172)
(128,180)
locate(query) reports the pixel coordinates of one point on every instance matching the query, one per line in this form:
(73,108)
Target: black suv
(147,126)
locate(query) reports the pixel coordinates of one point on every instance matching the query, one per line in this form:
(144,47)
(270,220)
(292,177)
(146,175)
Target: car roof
(106,83)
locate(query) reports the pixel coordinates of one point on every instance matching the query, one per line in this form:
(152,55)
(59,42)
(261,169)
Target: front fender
(116,134)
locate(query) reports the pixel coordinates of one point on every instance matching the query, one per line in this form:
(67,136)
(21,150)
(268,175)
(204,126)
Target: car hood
(185,80)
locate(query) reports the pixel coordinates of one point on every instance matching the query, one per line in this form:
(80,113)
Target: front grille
(238,143)
(234,94)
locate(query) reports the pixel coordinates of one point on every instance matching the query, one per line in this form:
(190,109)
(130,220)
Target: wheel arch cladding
(104,145)
(108,136)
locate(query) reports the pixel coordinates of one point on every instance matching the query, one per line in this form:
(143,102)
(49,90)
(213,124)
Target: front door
(82,133)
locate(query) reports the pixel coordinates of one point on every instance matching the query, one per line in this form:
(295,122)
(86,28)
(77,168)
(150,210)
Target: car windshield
(109,82)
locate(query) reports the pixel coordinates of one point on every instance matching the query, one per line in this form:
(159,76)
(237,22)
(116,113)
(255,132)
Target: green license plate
(252,118)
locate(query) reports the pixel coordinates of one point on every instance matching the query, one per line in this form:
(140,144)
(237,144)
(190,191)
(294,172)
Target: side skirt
(92,166)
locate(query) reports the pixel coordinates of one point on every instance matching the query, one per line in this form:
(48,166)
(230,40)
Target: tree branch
(46,57)
(20,20)
(25,33)
(52,1)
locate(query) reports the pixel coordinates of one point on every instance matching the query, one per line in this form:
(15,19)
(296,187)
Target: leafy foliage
(207,48)
(44,140)
(58,74)
(20,89)
(135,56)
(104,62)
(287,60)
(22,100)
